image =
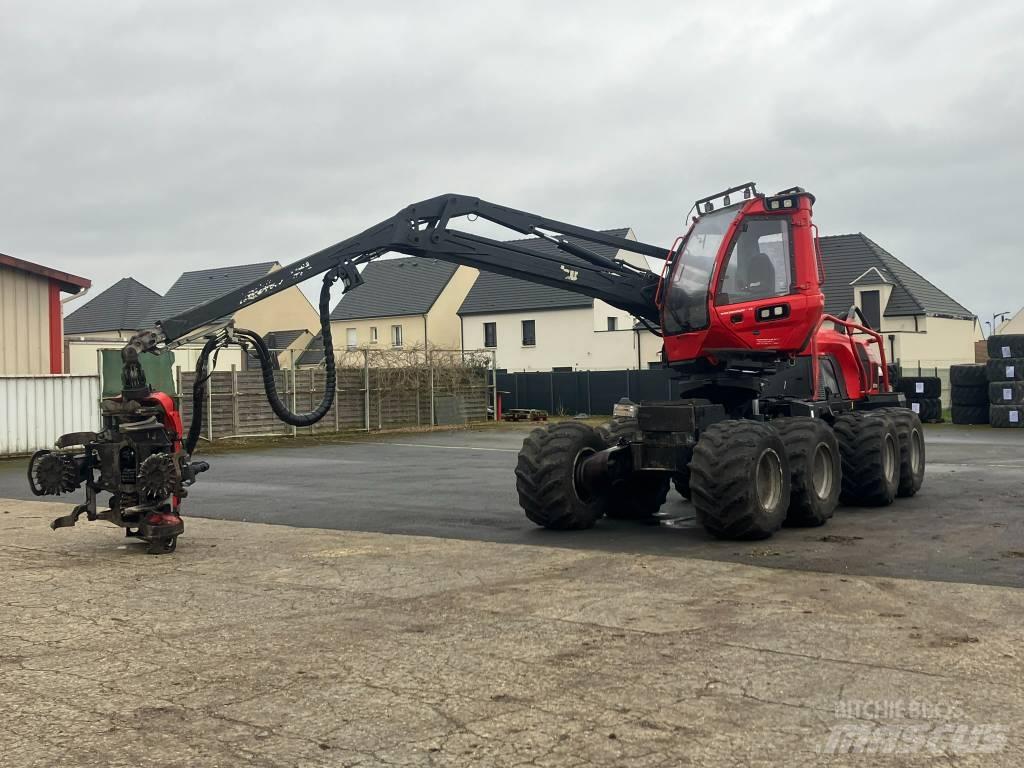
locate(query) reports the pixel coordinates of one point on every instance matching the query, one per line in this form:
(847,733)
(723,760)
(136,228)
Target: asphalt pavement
(966,524)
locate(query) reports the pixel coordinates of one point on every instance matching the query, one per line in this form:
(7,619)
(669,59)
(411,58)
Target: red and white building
(32,317)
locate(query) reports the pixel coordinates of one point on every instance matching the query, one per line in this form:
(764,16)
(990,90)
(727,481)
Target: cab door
(757,302)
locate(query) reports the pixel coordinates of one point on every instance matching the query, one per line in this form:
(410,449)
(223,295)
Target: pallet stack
(1005,369)
(969,394)
(923,396)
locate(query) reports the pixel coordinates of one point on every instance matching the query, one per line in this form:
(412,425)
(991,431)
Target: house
(921,324)
(403,303)
(288,346)
(127,307)
(105,322)
(288,309)
(31,316)
(289,312)
(1014,324)
(116,313)
(535,327)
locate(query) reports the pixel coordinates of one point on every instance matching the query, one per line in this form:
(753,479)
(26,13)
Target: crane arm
(422,229)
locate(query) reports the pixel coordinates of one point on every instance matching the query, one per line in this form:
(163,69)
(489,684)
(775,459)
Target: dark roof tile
(848,257)
(122,307)
(200,286)
(404,286)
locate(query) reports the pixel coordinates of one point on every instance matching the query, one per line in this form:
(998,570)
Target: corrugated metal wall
(24,323)
(36,410)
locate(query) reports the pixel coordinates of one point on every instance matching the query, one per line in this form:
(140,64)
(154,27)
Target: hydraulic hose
(266,360)
(199,394)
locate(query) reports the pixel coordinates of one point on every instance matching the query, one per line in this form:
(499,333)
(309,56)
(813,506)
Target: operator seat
(759,277)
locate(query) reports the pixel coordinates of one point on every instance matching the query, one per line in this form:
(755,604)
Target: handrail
(849,325)
(658,298)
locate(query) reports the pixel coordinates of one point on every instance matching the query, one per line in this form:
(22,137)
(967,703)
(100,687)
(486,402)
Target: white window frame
(396,336)
(351,338)
(373,334)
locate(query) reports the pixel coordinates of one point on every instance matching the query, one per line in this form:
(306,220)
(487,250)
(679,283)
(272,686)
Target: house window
(351,338)
(373,334)
(490,334)
(529,333)
(871,306)
(613,323)
(396,335)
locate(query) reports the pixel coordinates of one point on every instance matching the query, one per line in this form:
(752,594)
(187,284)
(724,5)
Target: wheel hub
(822,476)
(916,451)
(889,458)
(768,479)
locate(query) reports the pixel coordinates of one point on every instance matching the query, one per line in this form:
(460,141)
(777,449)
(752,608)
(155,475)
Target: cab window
(760,263)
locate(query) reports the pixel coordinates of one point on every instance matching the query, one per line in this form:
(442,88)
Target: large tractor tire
(1006,416)
(643,494)
(968,375)
(920,387)
(1006,392)
(546,476)
(962,394)
(1006,369)
(740,479)
(1004,345)
(928,410)
(969,414)
(814,469)
(870,449)
(912,450)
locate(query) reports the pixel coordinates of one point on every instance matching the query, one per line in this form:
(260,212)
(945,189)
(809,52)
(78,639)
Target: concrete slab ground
(279,646)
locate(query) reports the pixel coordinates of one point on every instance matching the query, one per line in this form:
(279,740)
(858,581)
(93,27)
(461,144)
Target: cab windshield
(686,300)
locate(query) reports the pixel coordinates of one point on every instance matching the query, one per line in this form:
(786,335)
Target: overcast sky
(148,138)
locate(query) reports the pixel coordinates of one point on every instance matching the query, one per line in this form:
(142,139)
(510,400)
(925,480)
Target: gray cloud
(156,138)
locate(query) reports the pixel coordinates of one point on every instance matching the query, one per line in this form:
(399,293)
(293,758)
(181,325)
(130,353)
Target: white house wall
(565,338)
(939,341)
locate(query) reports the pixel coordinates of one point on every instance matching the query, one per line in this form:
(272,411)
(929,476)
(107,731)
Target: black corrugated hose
(267,366)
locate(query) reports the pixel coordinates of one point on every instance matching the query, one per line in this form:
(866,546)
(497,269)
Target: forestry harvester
(785,410)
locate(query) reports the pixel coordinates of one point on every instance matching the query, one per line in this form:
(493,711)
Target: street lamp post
(996,319)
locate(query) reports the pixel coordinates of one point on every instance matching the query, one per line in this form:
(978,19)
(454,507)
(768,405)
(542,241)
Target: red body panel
(805,304)
(790,324)
(56,330)
(172,423)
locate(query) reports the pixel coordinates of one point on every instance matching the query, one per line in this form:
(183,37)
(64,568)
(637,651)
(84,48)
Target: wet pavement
(966,524)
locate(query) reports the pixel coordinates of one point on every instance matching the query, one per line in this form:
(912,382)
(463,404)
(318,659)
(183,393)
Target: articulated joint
(598,472)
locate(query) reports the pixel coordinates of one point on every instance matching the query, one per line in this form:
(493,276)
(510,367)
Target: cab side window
(760,263)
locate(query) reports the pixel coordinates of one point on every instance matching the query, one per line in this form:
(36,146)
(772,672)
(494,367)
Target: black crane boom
(422,229)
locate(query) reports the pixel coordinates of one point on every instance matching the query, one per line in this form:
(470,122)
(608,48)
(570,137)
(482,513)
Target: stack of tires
(923,396)
(1005,370)
(969,394)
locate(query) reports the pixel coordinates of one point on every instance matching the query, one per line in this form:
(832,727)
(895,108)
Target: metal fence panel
(36,410)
